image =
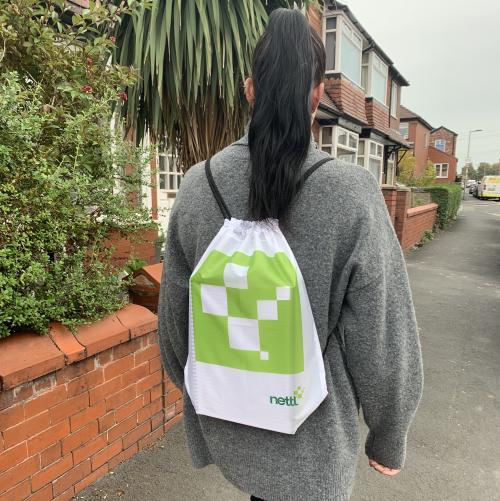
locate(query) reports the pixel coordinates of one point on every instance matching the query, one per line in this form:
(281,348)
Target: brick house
(363,88)
(427,143)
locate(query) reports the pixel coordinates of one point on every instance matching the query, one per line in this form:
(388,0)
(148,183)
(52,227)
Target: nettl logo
(246,313)
(291,401)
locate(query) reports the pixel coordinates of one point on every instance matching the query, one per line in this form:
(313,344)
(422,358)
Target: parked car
(489,187)
(470,182)
(472,185)
(474,190)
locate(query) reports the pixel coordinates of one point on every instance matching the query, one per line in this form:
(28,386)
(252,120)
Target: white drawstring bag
(254,354)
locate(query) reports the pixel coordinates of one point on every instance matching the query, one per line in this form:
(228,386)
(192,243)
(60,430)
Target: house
(358,118)
(427,143)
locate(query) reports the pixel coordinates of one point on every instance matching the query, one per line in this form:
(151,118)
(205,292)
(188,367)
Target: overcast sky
(449,50)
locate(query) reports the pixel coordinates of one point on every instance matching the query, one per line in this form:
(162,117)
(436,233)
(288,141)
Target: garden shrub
(67,179)
(448,197)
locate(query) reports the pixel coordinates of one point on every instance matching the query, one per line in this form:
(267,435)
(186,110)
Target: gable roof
(334,5)
(407,115)
(445,128)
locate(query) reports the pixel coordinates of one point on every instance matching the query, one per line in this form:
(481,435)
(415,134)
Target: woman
(337,225)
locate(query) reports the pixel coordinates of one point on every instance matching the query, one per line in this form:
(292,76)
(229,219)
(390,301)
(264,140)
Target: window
(441,170)
(440,144)
(330,42)
(394,99)
(370,156)
(379,79)
(350,54)
(340,143)
(169,173)
(404,129)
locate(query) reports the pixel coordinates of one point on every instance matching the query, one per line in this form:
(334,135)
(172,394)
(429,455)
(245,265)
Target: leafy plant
(407,175)
(192,58)
(67,179)
(448,197)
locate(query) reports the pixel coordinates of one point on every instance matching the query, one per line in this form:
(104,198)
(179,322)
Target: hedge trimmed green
(448,197)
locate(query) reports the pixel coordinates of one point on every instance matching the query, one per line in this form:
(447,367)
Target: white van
(489,187)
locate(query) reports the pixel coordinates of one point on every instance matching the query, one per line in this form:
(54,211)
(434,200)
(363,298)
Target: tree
(192,57)
(64,184)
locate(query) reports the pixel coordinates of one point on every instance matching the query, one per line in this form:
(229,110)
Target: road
(454,444)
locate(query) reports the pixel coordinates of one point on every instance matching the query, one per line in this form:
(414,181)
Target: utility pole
(468,159)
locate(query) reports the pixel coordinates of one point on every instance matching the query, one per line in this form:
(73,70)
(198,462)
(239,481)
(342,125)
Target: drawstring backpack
(254,355)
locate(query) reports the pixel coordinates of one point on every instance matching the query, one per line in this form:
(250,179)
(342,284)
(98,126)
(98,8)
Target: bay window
(339,143)
(331,42)
(374,77)
(404,129)
(371,157)
(394,99)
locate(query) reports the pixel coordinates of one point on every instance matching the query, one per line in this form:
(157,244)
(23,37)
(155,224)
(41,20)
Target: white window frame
(439,170)
(391,169)
(394,99)
(332,148)
(344,27)
(443,141)
(407,135)
(373,63)
(171,169)
(367,155)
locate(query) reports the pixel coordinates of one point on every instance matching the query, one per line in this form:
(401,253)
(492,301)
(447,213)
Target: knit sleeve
(380,334)
(173,305)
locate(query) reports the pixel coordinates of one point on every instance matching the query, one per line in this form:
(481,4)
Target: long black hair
(288,59)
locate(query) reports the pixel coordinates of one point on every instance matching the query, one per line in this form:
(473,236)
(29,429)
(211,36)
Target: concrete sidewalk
(453,450)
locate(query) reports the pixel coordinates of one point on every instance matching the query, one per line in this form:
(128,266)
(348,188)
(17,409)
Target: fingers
(382,469)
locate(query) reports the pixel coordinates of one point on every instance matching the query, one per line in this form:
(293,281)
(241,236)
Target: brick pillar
(390,196)
(403,196)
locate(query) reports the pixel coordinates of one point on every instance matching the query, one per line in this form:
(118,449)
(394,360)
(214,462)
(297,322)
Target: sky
(449,51)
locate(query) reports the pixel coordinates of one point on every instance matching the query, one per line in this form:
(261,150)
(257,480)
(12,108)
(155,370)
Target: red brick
(80,437)
(45,401)
(44,494)
(170,412)
(48,437)
(106,454)
(134,375)
(155,364)
(19,473)
(137,434)
(107,421)
(147,354)
(147,397)
(13,456)
(51,454)
(152,338)
(64,339)
(129,408)
(85,382)
(72,477)
(149,382)
(105,390)
(122,428)
(173,396)
(119,367)
(156,392)
(18,493)
(120,398)
(179,406)
(75,370)
(90,479)
(69,407)
(151,438)
(66,496)
(89,449)
(44,383)
(157,420)
(104,358)
(138,319)
(123,456)
(11,397)
(51,473)
(126,348)
(26,429)
(11,416)
(87,415)
(172,422)
(149,410)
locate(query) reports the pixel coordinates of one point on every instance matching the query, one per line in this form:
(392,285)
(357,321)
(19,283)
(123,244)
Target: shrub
(406,169)
(66,178)
(448,197)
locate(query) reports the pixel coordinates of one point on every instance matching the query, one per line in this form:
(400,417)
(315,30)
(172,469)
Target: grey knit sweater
(354,270)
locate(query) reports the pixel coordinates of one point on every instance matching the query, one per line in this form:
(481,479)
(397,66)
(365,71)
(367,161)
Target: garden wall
(72,407)
(410,224)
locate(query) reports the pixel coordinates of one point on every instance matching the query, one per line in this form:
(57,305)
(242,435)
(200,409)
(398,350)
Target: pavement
(454,443)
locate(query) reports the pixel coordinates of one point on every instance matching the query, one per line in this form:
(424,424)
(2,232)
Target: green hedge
(448,197)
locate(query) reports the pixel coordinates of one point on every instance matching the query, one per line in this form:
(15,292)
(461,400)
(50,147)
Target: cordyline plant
(67,180)
(192,57)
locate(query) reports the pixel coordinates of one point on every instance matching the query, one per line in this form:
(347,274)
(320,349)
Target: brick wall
(347,96)
(448,136)
(377,115)
(438,157)
(72,407)
(140,245)
(390,197)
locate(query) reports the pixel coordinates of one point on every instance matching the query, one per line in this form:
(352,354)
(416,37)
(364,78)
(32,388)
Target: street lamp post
(468,159)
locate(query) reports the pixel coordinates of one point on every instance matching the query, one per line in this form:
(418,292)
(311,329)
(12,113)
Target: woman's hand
(382,469)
